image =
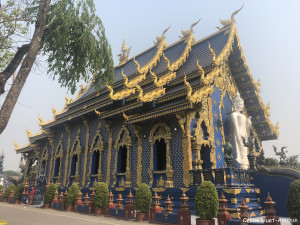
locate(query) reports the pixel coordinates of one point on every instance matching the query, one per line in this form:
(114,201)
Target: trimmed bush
(72,194)
(293,201)
(19,191)
(1,187)
(206,201)
(49,193)
(101,195)
(143,199)
(8,189)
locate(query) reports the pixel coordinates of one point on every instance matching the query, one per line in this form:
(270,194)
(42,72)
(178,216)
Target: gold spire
(123,57)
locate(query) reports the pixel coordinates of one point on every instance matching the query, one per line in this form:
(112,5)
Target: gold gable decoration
(149,96)
(119,95)
(133,82)
(163,80)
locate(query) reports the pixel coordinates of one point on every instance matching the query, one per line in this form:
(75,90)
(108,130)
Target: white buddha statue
(238,125)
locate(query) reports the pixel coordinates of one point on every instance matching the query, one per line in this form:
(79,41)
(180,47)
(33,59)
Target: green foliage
(13,22)
(19,191)
(293,201)
(8,189)
(271,162)
(32,171)
(206,201)
(72,194)
(1,187)
(101,195)
(49,193)
(143,199)
(74,39)
(12,173)
(76,45)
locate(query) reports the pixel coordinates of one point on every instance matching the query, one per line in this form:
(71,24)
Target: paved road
(23,215)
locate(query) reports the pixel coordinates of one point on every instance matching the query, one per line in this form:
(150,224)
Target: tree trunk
(16,88)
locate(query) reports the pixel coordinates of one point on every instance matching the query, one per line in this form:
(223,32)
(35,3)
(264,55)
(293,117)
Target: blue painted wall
(277,186)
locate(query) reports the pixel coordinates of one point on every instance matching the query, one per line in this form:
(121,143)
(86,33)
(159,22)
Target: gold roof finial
(257,85)
(29,134)
(268,109)
(162,37)
(54,111)
(231,21)
(16,146)
(123,57)
(186,33)
(41,121)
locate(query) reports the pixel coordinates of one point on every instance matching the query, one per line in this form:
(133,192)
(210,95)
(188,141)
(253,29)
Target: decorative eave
(249,90)
(25,149)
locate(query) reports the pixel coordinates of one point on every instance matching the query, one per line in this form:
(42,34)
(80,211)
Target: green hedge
(293,201)
(101,195)
(8,189)
(72,194)
(143,199)
(49,193)
(19,191)
(206,201)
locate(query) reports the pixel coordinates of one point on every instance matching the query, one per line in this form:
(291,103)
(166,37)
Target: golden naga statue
(16,146)
(119,95)
(41,121)
(123,57)
(29,134)
(162,80)
(149,96)
(187,33)
(198,95)
(231,21)
(162,37)
(132,83)
(54,111)
(68,101)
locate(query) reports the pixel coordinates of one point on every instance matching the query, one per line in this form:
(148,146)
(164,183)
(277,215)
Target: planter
(46,205)
(17,201)
(99,211)
(205,222)
(142,217)
(69,208)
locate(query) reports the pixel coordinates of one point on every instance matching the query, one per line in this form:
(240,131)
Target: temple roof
(158,73)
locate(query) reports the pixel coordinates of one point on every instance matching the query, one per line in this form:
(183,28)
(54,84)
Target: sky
(269,34)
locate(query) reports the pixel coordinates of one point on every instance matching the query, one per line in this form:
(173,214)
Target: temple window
(57,167)
(74,165)
(95,162)
(160,155)
(122,159)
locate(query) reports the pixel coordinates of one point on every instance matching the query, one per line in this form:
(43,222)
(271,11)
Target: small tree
(8,189)
(293,201)
(143,199)
(19,190)
(101,195)
(72,194)
(49,193)
(206,201)
(1,187)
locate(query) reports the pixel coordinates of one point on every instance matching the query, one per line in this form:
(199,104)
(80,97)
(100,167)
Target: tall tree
(67,32)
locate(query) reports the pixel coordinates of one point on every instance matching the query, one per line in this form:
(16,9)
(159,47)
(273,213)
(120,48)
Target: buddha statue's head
(238,103)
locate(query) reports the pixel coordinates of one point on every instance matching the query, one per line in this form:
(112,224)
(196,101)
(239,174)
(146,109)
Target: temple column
(109,128)
(87,125)
(128,168)
(138,133)
(68,129)
(26,168)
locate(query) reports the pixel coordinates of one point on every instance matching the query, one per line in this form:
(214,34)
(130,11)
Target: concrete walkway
(23,215)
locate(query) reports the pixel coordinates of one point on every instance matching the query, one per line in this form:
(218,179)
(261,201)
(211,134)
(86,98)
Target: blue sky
(269,34)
